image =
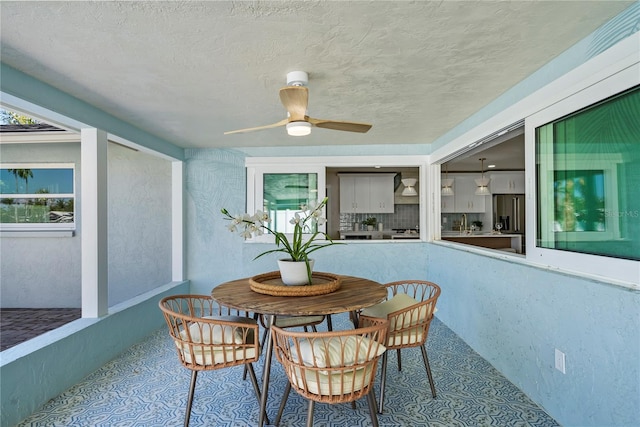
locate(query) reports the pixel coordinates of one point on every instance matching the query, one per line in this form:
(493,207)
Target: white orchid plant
(306,220)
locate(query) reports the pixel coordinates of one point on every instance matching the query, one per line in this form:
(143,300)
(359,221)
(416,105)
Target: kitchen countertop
(377,235)
(458,234)
(508,242)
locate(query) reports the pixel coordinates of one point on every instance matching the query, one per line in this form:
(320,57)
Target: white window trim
(625,271)
(44,227)
(255,188)
(256,166)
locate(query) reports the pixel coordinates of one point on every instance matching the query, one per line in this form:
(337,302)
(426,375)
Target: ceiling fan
(295,97)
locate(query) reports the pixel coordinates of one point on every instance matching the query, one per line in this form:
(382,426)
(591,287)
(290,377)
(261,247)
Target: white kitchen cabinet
(447,204)
(354,194)
(507,182)
(366,193)
(381,197)
(466,200)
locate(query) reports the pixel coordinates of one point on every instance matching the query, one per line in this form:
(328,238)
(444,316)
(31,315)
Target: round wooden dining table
(354,294)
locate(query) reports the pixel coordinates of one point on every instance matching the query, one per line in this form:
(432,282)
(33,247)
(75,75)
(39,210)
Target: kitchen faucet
(463,223)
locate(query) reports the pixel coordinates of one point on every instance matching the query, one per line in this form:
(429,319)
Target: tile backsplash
(404,216)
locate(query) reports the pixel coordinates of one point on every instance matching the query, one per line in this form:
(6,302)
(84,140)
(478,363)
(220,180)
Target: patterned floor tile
(146,386)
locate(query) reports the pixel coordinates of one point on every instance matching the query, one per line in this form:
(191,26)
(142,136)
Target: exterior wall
(139,223)
(45,272)
(41,272)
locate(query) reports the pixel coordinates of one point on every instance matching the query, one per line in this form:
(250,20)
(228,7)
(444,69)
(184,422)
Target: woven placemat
(271,284)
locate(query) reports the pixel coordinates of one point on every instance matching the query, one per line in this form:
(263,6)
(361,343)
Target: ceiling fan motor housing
(297,78)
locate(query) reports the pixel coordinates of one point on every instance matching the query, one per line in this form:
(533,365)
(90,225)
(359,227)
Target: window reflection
(284,194)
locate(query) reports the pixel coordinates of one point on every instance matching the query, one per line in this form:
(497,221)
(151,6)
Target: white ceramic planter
(294,273)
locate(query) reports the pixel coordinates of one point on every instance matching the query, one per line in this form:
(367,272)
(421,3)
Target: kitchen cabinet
(366,193)
(465,199)
(447,204)
(381,197)
(507,182)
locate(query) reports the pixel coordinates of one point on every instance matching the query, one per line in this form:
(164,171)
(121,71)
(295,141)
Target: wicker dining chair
(409,308)
(331,367)
(208,338)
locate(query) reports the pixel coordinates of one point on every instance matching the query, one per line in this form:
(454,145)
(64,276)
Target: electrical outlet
(560,361)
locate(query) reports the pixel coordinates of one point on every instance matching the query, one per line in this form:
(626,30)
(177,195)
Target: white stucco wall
(45,272)
(139,223)
(41,272)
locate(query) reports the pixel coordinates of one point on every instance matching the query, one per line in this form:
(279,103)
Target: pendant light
(447,183)
(409,184)
(482,183)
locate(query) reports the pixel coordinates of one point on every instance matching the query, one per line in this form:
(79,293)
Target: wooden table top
(354,293)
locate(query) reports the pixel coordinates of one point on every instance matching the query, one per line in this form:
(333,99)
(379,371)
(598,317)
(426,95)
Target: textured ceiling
(188,71)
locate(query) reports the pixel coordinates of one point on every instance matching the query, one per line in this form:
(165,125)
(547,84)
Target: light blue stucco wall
(516,315)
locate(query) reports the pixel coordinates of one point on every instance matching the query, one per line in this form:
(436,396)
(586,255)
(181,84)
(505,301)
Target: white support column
(93,222)
(177,221)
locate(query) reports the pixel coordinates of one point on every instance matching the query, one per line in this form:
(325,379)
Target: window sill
(37,233)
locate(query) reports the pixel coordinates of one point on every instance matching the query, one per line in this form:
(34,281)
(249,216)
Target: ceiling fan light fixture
(298,128)
(409,187)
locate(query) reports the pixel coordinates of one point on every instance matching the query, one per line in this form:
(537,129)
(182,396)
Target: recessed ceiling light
(491,166)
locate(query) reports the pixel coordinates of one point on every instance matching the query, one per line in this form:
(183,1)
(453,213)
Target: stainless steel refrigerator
(508,210)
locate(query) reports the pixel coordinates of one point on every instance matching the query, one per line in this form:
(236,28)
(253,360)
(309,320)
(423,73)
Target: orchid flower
(298,249)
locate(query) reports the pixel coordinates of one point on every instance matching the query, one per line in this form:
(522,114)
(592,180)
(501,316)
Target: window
(37,196)
(284,194)
(280,185)
(280,190)
(588,173)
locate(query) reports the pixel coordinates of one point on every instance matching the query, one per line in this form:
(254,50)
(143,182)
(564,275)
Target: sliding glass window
(588,175)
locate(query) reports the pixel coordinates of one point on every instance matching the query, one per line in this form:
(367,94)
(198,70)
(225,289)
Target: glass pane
(36,210)
(588,175)
(284,194)
(36,181)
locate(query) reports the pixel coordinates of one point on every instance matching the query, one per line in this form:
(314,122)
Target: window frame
(69,226)
(256,167)
(255,190)
(613,269)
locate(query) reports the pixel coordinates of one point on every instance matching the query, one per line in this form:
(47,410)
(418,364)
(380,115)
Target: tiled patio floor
(21,324)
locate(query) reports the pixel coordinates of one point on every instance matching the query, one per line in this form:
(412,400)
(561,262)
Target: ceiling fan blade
(295,99)
(335,125)
(274,125)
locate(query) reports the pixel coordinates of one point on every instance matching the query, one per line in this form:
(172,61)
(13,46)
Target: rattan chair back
(331,367)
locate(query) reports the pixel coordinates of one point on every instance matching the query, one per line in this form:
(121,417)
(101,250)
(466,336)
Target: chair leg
(283,402)
(399,359)
(329,323)
(383,381)
(310,413)
(192,388)
(425,359)
(371,397)
(254,381)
